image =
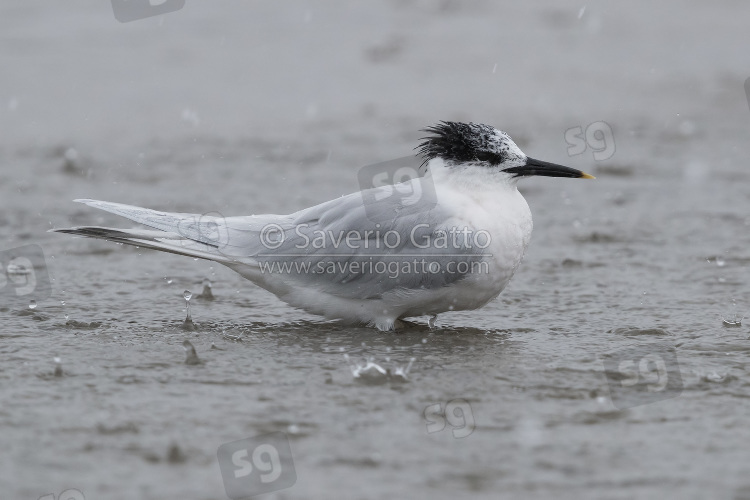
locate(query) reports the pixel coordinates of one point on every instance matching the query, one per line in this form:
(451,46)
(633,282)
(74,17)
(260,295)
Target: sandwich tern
(371,257)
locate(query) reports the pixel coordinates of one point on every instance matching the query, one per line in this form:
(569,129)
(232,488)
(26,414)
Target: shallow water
(272,108)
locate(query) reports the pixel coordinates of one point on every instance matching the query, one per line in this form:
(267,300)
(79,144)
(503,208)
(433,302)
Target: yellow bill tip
(587,176)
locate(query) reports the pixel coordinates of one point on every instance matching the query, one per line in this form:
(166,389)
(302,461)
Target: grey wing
(357,249)
(358,246)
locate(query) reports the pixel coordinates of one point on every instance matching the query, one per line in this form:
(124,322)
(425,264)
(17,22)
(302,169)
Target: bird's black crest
(460,142)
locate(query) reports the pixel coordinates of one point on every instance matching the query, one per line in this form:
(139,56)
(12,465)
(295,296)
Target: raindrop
(58,367)
(32,304)
(62,302)
(188,295)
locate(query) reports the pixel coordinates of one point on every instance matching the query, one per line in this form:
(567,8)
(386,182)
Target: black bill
(539,167)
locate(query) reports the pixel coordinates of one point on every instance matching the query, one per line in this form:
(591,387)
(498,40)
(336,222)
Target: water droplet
(720,262)
(187,294)
(431,321)
(424,341)
(32,304)
(62,302)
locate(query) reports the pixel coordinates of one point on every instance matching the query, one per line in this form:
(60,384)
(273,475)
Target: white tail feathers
(194,235)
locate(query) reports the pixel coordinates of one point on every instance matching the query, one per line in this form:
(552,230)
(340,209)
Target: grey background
(269,106)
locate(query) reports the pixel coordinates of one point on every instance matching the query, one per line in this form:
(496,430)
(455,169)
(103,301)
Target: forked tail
(194,235)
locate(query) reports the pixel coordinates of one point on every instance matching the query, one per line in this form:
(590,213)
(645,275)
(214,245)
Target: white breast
(501,211)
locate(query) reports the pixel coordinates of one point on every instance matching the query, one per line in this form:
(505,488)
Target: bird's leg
(402,324)
(398,325)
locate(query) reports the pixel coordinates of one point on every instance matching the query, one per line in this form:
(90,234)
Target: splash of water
(372,373)
(191,357)
(188,323)
(207,293)
(732,323)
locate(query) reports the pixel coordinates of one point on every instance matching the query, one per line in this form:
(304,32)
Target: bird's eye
(492,158)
